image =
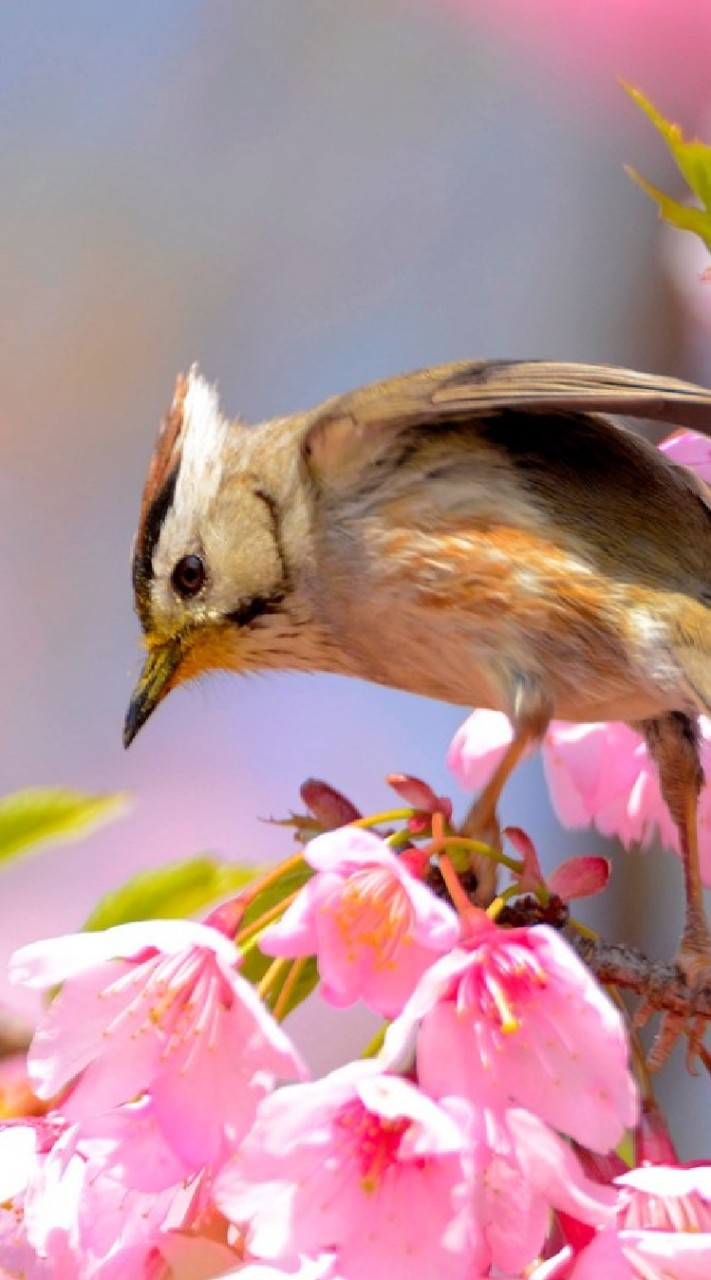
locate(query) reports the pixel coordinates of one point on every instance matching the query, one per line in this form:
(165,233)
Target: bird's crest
(186,463)
(166,455)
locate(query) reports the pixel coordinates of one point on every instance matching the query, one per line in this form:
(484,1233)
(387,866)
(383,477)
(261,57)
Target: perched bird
(481,532)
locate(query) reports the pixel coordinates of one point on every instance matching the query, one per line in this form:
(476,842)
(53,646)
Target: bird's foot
(693,959)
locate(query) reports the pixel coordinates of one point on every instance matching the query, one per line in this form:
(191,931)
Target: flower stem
(476,846)
(271,977)
(377,819)
(459,899)
(257,926)
(281,1009)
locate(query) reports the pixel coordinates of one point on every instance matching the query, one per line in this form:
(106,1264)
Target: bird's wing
(357,421)
(539,384)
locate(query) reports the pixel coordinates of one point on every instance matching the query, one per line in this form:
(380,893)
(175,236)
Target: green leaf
(686,217)
(48,815)
(178,890)
(693,160)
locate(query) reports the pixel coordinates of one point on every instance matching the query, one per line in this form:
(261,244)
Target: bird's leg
(673,743)
(531,717)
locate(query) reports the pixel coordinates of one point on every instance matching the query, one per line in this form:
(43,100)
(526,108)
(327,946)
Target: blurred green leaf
(178,890)
(48,815)
(693,160)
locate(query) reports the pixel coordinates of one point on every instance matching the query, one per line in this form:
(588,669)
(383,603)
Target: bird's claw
(694,963)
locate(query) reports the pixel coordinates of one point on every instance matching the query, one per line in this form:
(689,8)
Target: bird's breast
(461,610)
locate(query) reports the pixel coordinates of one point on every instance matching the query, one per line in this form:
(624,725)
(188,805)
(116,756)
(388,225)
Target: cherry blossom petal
(478,747)
(523,1171)
(373,926)
(54,960)
(689,449)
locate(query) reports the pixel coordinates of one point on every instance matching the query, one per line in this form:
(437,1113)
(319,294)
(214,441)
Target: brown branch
(663,986)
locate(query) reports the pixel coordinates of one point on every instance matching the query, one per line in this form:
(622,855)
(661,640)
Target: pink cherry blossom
(128,1144)
(598,775)
(361,1163)
(106,1199)
(515,1015)
(662,1229)
(591,769)
(373,926)
(523,1170)
(603,774)
(76,1213)
(156,1006)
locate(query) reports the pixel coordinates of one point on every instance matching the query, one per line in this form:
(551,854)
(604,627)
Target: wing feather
(354,424)
(542,385)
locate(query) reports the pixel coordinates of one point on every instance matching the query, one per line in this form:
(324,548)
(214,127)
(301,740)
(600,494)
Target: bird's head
(209,573)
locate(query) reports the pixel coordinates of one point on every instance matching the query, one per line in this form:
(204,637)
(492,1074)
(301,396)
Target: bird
(489,533)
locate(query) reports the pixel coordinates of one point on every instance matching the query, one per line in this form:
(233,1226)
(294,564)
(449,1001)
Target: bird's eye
(188,576)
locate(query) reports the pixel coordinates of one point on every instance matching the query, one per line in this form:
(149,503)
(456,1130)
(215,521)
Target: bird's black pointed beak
(154,683)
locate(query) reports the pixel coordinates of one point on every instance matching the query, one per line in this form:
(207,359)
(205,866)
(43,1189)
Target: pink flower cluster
(599,774)
(156,1054)
(170,1153)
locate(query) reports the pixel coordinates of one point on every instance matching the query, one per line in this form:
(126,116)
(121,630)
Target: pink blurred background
(302,197)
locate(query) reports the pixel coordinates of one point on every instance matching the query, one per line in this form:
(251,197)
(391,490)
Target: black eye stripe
(188,576)
(256,608)
(150,533)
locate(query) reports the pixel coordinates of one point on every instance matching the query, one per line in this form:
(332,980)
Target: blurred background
(302,197)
